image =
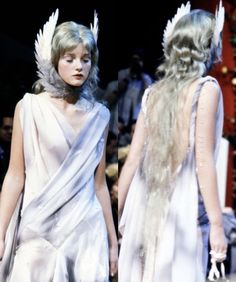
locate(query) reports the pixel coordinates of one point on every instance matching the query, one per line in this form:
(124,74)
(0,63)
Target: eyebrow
(72,54)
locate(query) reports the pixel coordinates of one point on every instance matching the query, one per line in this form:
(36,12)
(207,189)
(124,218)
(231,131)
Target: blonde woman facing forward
(55,214)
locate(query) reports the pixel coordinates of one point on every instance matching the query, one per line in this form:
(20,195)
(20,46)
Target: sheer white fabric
(59,233)
(182,253)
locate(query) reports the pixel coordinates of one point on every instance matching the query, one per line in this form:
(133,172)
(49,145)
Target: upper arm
(138,140)
(206,121)
(16,164)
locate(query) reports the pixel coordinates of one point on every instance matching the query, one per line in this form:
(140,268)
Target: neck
(68,99)
(72,98)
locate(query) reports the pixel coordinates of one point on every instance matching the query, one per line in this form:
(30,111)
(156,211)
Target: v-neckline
(73,132)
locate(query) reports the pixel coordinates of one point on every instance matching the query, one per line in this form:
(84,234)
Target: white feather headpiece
(94,26)
(182,11)
(219,17)
(49,78)
(44,39)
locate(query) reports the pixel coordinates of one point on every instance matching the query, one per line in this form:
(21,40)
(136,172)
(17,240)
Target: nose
(79,65)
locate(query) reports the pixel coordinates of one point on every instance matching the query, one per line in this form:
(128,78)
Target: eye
(86,60)
(68,58)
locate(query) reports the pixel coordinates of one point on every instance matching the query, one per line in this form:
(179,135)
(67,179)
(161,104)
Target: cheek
(87,68)
(62,69)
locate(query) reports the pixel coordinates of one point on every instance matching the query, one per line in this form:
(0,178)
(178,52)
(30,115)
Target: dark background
(18,30)
(141,25)
(124,26)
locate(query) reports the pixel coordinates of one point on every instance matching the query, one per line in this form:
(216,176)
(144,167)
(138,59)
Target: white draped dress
(182,253)
(58,232)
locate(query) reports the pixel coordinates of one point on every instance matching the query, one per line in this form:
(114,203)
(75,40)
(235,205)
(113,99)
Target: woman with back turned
(168,194)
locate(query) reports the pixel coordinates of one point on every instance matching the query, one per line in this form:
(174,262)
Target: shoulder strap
(195,106)
(198,90)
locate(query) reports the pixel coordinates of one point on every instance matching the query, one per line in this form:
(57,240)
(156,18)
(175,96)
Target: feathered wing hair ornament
(94,26)
(182,11)
(49,77)
(220,17)
(44,40)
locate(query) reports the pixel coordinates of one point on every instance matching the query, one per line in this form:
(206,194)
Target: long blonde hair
(189,54)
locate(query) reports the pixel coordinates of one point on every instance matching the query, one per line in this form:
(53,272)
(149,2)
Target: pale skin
(104,199)
(131,163)
(206,164)
(206,173)
(74,68)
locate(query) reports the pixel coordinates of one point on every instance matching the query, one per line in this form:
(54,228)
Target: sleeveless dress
(183,250)
(58,232)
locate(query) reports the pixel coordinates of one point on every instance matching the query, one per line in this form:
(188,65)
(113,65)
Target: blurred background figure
(111,98)
(6,122)
(132,82)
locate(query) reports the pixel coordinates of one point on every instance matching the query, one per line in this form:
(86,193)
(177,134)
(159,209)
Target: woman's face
(74,66)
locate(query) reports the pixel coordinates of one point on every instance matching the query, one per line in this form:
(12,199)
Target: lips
(78,76)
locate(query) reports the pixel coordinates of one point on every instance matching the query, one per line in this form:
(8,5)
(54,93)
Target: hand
(2,248)
(113,258)
(218,241)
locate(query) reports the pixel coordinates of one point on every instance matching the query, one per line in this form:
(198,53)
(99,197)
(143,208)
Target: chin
(77,84)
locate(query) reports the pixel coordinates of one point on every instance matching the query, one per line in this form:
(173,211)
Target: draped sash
(60,166)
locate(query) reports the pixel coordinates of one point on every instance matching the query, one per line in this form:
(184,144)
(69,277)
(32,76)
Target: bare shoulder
(210,93)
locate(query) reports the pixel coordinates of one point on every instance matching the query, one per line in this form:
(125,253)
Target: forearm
(207,178)
(12,187)
(104,199)
(125,179)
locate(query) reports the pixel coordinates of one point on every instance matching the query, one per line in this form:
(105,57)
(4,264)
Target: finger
(113,268)
(218,256)
(112,274)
